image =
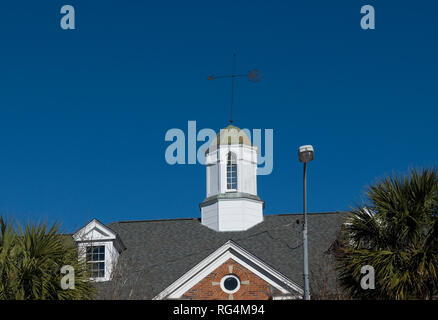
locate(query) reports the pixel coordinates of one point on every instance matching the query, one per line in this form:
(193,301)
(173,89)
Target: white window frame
(91,262)
(222,283)
(231,163)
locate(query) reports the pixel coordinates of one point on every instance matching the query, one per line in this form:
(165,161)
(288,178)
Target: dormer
(100,247)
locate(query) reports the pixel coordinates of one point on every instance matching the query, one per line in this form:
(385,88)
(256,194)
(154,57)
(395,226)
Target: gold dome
(230,135)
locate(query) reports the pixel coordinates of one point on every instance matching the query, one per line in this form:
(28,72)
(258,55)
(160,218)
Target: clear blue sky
(83,113)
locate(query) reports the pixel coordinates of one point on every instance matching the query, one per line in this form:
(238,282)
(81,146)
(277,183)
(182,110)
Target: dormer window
(96,261)
(231,171)
(100,247)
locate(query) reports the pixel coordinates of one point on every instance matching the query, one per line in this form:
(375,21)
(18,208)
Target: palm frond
(396,232)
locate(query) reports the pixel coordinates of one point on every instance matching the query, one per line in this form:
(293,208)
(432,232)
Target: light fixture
(305,153)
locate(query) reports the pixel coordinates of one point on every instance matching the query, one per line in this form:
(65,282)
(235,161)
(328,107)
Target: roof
(229,195)
(160,251)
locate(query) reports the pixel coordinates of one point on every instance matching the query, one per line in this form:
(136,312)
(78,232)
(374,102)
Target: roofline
(154,220)
(265,214)
(310,213)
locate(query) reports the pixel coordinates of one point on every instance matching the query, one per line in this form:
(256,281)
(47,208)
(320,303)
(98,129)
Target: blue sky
(83,113)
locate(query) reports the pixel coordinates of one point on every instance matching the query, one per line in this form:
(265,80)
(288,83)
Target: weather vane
(253,76)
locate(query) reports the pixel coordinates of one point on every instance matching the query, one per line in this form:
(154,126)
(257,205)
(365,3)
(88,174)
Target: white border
(225,278)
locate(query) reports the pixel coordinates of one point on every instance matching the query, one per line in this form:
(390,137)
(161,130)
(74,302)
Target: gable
(97,234)
(230,255)
(94,231)
(250,286)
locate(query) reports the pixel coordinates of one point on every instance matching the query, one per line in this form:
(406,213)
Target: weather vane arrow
(253,76)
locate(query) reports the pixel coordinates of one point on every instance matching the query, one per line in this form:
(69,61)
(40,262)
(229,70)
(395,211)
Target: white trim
(286,298)
(223,286)
(84,233)
(111,256)
(220,256)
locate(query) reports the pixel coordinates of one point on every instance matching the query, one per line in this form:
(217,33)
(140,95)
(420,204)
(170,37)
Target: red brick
(257,289)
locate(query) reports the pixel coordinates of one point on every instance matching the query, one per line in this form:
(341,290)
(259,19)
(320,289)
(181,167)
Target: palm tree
(395,232)
(31,261)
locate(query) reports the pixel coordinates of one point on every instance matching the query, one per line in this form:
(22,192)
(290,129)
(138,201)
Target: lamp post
(305,154)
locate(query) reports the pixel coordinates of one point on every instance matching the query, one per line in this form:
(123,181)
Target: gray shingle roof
(158,252)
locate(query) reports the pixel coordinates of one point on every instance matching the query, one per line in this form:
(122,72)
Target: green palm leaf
(30,262)
(396,232)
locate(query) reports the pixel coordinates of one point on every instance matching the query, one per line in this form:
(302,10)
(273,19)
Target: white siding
(232,214)
(210,216)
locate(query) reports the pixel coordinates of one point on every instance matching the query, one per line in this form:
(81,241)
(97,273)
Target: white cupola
(232,203)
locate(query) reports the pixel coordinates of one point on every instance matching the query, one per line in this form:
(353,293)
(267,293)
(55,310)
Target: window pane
(230,283)
(97,269)
(231,172)
(95,253)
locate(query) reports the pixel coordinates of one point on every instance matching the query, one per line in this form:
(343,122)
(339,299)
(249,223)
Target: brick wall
(252,287)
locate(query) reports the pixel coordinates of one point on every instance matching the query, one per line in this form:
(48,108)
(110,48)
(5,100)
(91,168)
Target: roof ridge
(300,213)
(266,215)
(153,220)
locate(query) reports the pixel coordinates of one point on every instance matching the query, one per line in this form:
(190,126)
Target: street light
(305,154)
